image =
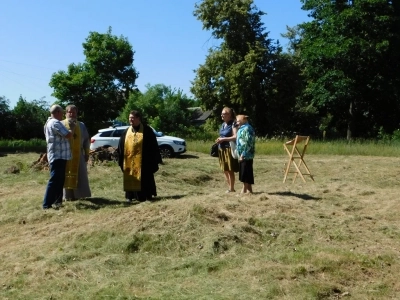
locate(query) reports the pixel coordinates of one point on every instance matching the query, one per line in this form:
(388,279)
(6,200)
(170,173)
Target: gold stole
(133,148)
(72,168)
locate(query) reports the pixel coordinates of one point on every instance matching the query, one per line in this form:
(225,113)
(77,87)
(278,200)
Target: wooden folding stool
(296,158)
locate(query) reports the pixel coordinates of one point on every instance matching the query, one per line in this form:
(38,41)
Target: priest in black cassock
(139,157)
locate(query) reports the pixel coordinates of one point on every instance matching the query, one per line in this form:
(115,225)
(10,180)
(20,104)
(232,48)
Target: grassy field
(264,146)
(337,237)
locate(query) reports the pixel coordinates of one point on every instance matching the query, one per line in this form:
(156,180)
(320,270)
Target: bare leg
(230,180)
(244,189)
(226,173)
(249,188)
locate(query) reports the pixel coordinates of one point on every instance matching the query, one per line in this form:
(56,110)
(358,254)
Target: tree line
(162,107)
(25,121)
(339,77)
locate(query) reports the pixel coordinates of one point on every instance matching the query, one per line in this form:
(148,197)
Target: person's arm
(229,138)
(60,129)
(68,135)
(244,137)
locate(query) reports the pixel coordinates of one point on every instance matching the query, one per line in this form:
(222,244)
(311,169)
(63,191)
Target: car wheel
(166,152)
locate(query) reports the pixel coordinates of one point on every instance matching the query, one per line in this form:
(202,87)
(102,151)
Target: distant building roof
(204,116)
(198,115)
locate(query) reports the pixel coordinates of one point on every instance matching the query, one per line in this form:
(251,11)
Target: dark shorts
(246,174)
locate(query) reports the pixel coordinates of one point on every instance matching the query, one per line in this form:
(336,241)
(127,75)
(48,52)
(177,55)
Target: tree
(350,65)
(101,85)
(285,115)
(299,117)
(162,107)
(7,121)
(237,73)
(30,118)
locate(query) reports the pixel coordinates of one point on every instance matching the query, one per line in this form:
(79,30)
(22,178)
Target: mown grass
(337,237)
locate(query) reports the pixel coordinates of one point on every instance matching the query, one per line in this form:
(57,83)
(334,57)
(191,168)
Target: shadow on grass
(173,197)
(96,203)
(186,156)
(301,196)
(154,199)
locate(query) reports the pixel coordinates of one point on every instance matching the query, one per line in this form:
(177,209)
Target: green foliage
(338,78)
(283,112)
(200,140)
(206,132)
(99,86)
(238,72)
(7,121)
(162,107)
(30,118)
(25,121)
(386,137)
(34,145)
(347,57)
(396,135)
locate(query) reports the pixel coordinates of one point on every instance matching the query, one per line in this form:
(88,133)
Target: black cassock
(151,157)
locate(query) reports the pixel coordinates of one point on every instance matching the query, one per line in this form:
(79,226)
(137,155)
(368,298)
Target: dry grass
(336,237)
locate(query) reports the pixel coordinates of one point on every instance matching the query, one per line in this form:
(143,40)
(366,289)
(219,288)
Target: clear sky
(40,37)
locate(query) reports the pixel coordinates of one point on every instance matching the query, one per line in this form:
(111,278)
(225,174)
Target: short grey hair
(55,108)
(71,106)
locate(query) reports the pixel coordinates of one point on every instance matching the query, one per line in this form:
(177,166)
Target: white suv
(170,146)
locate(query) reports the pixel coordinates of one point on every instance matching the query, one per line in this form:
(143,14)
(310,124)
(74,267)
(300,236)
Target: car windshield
(118,132)
(157,133)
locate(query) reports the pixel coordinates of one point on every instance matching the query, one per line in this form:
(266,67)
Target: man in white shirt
(58,153)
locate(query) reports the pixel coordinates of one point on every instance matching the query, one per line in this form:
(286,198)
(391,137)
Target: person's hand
(69,134)
(219,140)
(71,123)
